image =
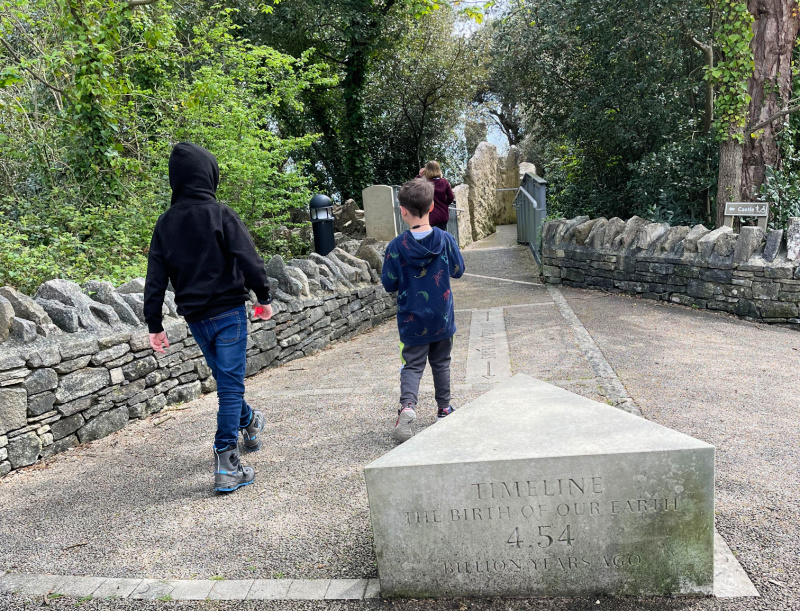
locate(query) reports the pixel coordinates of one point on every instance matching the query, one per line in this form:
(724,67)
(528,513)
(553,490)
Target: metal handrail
(530,216)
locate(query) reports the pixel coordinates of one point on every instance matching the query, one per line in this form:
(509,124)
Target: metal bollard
(321,211)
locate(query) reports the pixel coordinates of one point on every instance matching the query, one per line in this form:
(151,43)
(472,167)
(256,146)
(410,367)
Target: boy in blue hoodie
(419,264)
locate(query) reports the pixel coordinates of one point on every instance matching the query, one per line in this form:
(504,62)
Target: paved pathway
(133,513)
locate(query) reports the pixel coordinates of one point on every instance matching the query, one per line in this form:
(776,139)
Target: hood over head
(415,253)
(193,173)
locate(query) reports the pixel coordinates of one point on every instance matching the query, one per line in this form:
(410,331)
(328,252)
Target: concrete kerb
(187,589)
(612,385)
(730,581)
(231,589)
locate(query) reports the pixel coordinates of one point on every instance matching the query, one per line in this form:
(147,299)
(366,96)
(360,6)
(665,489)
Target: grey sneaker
(402,428)
(229,473)
(252,432)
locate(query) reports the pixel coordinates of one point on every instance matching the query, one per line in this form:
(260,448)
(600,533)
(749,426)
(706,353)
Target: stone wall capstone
(747,274)
(84,368)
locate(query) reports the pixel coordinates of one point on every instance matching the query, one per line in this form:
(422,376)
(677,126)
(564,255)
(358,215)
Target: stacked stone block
(749,274)
(84,368)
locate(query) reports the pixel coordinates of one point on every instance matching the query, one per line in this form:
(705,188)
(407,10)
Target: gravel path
(139,503)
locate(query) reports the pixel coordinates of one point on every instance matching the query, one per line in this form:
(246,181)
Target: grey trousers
(414,358)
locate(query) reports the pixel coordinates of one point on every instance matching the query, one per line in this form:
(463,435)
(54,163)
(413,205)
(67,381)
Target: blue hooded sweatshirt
(420,272)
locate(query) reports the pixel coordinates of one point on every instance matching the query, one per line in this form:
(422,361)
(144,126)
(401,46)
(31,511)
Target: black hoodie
(200,245)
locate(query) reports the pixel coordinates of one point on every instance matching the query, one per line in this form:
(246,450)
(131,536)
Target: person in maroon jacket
(442,194)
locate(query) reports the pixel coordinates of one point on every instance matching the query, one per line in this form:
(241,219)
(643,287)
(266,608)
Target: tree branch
(777,115)
(133,3)
(22,65)
(708,52)
(702,46)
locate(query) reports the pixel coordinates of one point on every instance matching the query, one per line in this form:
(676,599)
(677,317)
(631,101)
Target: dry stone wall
(76,364)
(750,274)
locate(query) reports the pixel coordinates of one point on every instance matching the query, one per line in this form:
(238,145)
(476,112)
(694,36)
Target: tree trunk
(357,160)
(775,31)
(729,185)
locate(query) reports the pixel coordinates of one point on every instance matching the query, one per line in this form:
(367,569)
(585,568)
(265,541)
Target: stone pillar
(481,176)
(507,178)
(793,239)
(379,212)
(464,220)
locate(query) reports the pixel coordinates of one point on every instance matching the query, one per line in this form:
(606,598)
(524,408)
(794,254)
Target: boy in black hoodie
(204,249)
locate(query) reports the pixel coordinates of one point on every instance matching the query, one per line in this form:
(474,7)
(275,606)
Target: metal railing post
(531,206)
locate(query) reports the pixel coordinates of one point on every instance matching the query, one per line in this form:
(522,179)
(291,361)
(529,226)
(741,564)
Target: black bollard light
(321,210)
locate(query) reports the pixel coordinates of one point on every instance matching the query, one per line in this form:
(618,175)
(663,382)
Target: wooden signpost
(759,210)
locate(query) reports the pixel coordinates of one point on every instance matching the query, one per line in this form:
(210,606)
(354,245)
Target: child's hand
(159,341)
(264,312)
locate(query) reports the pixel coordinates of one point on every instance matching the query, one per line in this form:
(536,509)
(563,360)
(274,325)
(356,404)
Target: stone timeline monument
(379,212)
(532,490)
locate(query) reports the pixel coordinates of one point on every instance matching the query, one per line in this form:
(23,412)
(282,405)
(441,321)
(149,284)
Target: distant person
(442,194)
(203,247)
(419,264)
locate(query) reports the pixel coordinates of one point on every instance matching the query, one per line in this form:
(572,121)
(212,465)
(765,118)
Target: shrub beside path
(139,503)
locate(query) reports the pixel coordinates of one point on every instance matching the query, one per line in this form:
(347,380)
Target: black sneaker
(445,412)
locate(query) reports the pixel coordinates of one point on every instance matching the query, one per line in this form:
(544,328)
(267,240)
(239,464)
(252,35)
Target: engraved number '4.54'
(546,540)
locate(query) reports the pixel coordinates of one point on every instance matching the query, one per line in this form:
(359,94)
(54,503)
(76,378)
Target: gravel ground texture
(732,384)
(139,503)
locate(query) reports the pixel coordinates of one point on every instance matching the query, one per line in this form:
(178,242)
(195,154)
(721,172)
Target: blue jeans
(223,340)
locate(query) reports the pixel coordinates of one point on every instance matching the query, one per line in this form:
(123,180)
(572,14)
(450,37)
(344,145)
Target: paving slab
(373,589)
(116,588)
(730,580)
(153,589)
(230,589)
(80,587)
(269,589)
(308,589)
(30,583)
(488,358)
(346,589)
(187,589)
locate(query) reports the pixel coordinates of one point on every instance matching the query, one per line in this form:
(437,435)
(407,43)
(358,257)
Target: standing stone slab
(379,212)
(534,491)
(793,239)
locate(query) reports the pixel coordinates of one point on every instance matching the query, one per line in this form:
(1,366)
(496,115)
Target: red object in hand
(258,310)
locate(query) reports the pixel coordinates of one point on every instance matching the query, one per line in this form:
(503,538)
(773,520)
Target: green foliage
(415,99)
(91,104)
(781,187)
(734,66)
(675,183)
(609,96)
(372,46)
